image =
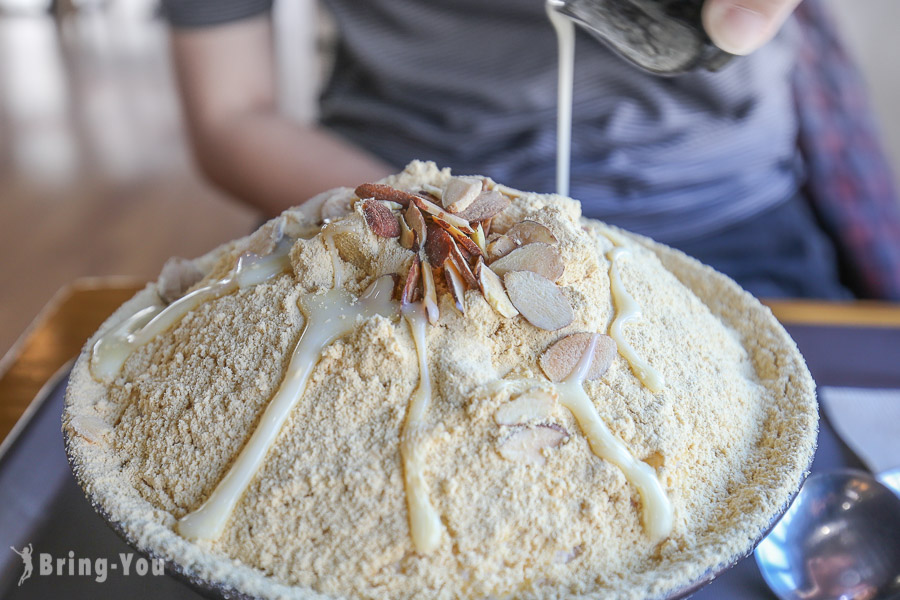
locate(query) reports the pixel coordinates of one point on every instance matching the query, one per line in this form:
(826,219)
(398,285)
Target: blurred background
(95,175)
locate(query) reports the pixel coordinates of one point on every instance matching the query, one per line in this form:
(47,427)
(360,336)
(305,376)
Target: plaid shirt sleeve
(849,181)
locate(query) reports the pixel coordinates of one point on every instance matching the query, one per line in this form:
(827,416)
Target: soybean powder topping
(520,503)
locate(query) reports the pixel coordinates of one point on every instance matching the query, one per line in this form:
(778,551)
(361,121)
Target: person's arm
(742,26)
(226,76)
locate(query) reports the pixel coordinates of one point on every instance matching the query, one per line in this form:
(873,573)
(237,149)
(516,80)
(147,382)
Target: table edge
(863,313)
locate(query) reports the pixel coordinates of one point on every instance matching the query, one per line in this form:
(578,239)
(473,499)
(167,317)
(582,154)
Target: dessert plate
(730,304)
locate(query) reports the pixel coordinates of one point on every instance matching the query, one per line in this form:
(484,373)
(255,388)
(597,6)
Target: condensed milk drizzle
(328,236)
(113,348)
(329,316)
(424,522)
(628,309)
(657,510)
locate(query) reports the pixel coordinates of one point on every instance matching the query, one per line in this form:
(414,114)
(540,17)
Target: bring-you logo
(97,568)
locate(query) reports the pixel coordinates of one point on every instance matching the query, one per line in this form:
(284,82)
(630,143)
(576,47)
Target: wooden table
(59,332)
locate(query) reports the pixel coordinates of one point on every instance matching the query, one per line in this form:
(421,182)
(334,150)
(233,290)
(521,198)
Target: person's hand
(742,26)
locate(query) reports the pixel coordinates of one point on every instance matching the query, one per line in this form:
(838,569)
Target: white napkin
(868,420)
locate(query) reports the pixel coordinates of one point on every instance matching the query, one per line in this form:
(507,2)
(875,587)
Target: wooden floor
(95,178)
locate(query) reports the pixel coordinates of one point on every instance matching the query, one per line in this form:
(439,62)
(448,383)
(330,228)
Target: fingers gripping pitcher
(662,36)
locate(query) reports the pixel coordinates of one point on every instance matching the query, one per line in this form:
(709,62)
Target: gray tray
(41,504)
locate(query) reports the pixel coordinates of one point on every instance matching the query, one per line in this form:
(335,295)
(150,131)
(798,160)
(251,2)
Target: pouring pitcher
(665,37)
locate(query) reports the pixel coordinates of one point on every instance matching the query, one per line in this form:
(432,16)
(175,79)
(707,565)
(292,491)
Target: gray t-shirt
(472,85)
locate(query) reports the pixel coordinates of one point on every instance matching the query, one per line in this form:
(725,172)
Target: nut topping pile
(449,229)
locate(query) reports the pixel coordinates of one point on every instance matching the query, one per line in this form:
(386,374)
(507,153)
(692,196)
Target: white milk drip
(115,346)
(657,510)
(328,235)
(329,316)
(424,523)
(627,309)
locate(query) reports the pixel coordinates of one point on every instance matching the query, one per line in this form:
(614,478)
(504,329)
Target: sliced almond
(559,360)
(530,407)
(380,219)
(526,444)
(461,238)
(417,223)
(462,264)
(492,290)
(438,244)
(539,300)
(460,192)
(411,288)
(478,238)
(529,232)
(407,236)
(433,209)
(430,294)
(506,191)
(485,206)
(540,258)
(520,234)
(391,205)
(432,190)
(456,285)
(430,193)
(464,253)
(500,247)
(379,191)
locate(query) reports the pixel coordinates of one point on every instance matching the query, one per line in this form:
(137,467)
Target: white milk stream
(626,306)
(329,316)
(565,36)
